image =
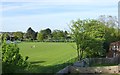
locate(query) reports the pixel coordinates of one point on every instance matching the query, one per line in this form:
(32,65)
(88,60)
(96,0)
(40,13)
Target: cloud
(53,20)
(36,8)
(58,0)
(34,4)
(67,2)
(51,13)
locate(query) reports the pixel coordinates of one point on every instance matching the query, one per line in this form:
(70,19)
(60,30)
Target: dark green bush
(12,61)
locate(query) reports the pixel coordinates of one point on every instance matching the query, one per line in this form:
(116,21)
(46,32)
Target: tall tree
(112,32)
(89,37)
(48,32)
(31,34)
(65,34)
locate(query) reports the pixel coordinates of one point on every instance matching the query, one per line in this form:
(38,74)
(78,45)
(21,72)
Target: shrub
(12,61)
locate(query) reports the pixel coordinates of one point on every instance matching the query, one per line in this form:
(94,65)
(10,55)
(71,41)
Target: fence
(107,61)
(78,66)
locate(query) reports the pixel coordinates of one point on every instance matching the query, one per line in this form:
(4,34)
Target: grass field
(46,56)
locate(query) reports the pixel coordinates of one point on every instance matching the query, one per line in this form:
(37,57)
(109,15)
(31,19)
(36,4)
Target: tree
(89,37)
(18,35)
(44,34)
(31,34)
(40,37)
(111,28)
(109,21)
(5,36)
(48,33)
(0,39)
(65,34)
(58,35)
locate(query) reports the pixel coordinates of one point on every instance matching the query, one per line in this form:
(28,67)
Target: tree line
(109,26)
(42,36)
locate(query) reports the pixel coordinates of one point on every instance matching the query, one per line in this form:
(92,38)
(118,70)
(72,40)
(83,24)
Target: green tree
(18,35)
(40,37)
(48,31)
(31,34)
(89,37)
(0,39)
(65,34)
(5,36)
(58,35)
(46,34)
(111,28)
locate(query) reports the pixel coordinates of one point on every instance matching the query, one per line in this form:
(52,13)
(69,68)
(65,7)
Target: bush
(12,61)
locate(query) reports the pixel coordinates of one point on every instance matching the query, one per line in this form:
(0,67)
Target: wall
(115,60)
(90,61)
(107,69)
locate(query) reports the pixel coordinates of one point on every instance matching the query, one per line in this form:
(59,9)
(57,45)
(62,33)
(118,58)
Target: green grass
(46,56)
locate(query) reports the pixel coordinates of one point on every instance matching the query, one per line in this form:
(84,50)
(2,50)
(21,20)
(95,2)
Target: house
(114,49)
(10,37)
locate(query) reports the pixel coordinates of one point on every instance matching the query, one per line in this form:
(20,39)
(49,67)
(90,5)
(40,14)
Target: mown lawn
(48,57)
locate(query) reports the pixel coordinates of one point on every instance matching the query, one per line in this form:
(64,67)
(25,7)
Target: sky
(19,15)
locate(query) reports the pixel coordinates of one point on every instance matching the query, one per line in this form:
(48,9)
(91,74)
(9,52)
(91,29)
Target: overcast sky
(18,15)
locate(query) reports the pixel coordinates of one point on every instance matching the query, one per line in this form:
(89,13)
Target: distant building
(10,37)
(114,49)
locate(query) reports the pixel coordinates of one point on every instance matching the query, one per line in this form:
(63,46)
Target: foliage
(109,21)
(0,39)
(89,37)
(111,35)
(5,36)
(48,31)
(31,34)
(40,37)
(18,35)
(44,34)
(57,34)
(112,31)
(12,61)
